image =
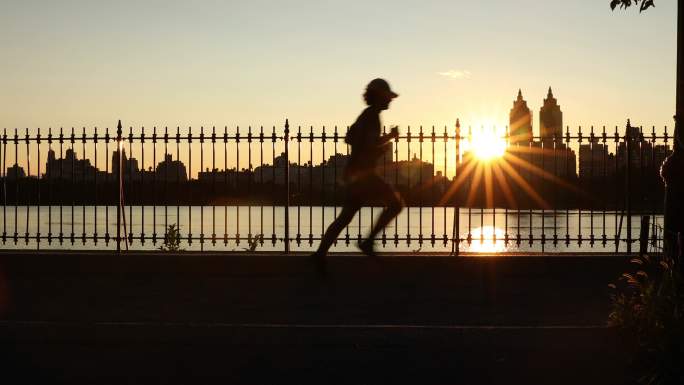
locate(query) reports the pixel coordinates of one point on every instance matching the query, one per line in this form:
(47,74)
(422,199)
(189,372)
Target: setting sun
(487,144)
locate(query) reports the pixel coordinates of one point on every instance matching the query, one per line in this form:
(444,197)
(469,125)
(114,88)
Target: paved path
(268,318)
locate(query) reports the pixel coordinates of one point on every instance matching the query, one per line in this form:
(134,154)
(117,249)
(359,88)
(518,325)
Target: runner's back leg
(333,231)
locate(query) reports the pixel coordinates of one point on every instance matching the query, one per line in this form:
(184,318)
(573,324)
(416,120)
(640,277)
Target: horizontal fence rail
(467,189)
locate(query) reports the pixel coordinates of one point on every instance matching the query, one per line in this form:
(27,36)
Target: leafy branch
(624,4)
(254,242)
(172,239)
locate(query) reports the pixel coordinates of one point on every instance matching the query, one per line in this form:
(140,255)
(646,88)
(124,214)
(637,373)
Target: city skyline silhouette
(519,130)
(580,166)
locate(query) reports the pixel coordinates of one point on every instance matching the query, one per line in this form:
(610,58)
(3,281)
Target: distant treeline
(645,192)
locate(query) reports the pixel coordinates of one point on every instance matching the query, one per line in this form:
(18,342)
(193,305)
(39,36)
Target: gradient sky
(89,63)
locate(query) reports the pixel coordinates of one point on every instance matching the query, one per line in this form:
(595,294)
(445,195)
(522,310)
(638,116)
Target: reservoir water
(485,228)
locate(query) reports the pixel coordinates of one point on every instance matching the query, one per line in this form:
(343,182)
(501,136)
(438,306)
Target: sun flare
(487,144)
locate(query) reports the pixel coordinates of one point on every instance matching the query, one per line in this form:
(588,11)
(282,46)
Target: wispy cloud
(456,74)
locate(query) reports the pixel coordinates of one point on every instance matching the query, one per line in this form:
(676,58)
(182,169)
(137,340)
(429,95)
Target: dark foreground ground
(265,319)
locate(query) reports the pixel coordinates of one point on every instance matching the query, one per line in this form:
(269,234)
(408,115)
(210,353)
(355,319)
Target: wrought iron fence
(655,245)
(279,188)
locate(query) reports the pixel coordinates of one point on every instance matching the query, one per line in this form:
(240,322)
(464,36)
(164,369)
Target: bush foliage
(648,307)
(172,239)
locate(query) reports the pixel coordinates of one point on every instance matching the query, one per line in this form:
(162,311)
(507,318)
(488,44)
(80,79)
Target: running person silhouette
(360,176)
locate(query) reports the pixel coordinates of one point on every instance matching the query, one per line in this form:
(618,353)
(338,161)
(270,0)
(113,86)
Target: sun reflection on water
(486,239)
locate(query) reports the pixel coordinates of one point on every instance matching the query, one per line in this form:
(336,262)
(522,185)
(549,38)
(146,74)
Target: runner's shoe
(366,247)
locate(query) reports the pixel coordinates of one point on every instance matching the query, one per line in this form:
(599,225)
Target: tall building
(551,121)
(15,172)
(520,121)
(595,162)
(70,167)
(170,170)
(129,166)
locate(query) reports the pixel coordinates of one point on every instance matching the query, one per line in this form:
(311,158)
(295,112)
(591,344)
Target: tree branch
(624,4)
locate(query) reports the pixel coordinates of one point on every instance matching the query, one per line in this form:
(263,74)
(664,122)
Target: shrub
(172,239)
(648,307)
(255,242)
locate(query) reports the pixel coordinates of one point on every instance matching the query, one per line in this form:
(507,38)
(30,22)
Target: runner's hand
(394,131)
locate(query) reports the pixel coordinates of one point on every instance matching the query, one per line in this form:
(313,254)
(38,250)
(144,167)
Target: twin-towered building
(520,121)
(550,122)
(596,161)
(550,153)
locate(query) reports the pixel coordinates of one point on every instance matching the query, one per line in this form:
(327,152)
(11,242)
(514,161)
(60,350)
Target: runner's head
(379,94)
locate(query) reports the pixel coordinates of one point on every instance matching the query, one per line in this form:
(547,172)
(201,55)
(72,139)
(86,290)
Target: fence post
(455,233)
(643,234)
(120,187)
(287,187)
(628,198)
